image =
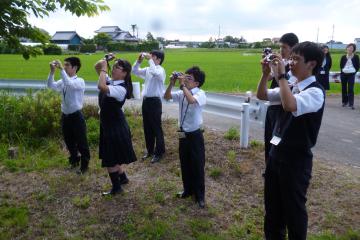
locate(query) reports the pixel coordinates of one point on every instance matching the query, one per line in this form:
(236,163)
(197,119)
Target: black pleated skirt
(115,146)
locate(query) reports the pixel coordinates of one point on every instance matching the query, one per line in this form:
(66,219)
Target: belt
(150,97)
(71,114)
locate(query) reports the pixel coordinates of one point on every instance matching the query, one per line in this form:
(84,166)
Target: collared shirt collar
(195,90)
(117,82)
(306,82)
(73,77)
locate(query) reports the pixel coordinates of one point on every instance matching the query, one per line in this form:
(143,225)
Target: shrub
(93,131)
(215,172)
(30,117)
(232,134)
(142,47)
(5,49)
(52,49)
(72,47)
(88,48)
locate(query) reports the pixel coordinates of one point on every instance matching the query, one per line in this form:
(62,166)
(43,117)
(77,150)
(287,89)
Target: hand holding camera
(277,66)
(55,64)
(109,57)
(142,56)
(174,76)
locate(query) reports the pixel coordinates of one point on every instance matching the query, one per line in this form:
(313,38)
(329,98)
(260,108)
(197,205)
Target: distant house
(357,42)
(275,40)
(117,34)
(66,37)
(332,44)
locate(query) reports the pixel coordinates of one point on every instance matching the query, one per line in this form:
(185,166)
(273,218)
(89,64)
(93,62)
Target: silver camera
(175,75)
(268,55)
(109,57)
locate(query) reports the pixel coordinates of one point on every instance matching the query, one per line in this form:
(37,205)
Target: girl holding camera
(115,146)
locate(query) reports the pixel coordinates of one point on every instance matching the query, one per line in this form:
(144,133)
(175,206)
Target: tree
(102,39)
(87,40)
(161,40)
(14,23)
(150,37)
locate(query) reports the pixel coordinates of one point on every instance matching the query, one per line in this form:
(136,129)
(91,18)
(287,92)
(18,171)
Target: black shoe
(183,194)
(344,104)
(146,155)
(201,203)
(352,107)
(123,178)
(82,171)
(112,192)
(156,159)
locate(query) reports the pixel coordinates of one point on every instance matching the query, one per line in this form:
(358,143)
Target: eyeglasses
(118,67)
(189,77)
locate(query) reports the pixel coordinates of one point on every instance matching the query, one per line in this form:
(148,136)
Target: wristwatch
(282,76)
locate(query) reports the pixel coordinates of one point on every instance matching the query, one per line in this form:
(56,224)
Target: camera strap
(182,118)
(109,68)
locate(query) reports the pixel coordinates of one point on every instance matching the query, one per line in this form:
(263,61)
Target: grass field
(227,70)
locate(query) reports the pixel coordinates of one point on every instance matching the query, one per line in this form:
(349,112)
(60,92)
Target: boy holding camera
(287,41)
(154,77)
(289,166)
(73,124)
(191,100)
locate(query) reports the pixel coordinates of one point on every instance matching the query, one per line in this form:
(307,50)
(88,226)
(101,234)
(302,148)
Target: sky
(198,20)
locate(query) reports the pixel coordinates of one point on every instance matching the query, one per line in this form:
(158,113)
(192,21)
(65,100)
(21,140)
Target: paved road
(339,137)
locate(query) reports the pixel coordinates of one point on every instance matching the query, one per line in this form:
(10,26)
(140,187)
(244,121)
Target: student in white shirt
(191,101)
(154,77)
(349,65)
(115,145)
(73,124)
(286,42)
(289,167)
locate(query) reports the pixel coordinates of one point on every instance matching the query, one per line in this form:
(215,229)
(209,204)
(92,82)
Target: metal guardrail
(219,104)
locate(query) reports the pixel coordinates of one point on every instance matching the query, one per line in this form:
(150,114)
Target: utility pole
(317,35)
(332,36)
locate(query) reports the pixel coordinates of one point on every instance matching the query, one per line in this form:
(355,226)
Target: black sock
(114,176)
(122,176)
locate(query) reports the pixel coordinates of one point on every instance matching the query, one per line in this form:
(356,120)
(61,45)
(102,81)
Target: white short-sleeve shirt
(307,101)
(190,115)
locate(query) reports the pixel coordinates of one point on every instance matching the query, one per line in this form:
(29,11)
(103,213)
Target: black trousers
(287,179)
(74,132)
(347,88)
(270,120)
(151,111)
(192,161)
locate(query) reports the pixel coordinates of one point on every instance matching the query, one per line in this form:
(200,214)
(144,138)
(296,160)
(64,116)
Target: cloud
(200,19)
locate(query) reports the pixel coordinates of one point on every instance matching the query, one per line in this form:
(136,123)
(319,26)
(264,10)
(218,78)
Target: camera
(267,52)
(109,57)
(175,75)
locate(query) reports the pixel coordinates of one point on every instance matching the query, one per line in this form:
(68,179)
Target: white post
(245,124)
(136,90)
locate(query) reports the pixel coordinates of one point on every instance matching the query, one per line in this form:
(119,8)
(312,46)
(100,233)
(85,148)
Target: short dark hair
(74,61)
(290,39)
(353,45)
(311,52)
(198,74)
(159,54)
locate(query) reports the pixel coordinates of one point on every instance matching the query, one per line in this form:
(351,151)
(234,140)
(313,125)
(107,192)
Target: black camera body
(109,57)
(269,56)
(175,75)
